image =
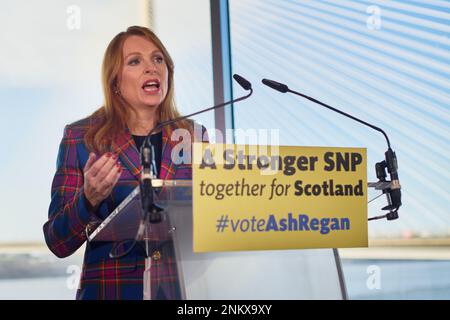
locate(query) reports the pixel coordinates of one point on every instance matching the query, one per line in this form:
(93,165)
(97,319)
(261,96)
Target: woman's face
(143,81)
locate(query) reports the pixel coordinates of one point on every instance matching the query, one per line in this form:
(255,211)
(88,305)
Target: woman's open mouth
(151,86)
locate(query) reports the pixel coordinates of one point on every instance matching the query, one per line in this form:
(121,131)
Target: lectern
(265,274)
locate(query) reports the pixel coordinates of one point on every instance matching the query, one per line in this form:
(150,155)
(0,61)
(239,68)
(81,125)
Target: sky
(49,77)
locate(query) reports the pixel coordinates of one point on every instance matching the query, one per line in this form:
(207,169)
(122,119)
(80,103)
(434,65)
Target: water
(397,279)
(42,276)
(38,276)
(54,288)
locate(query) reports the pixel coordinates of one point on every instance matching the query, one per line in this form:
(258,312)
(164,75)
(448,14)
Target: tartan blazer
(68,217)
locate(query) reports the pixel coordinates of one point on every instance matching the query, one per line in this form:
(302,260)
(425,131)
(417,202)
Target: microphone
(147,152)
(242,82)
(392,191)
(149,170)
(275,85)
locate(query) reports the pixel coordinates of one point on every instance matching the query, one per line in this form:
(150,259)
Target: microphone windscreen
(244,83)
(275,85)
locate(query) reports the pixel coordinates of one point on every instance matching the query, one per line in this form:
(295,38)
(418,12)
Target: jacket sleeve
(68,214)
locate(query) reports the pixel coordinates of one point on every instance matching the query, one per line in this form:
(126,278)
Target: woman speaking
(98,165)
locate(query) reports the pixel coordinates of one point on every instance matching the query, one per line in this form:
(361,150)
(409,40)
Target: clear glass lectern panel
(274,274)
(122,224)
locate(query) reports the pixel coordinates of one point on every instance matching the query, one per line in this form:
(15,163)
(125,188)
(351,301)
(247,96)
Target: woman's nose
(150,68)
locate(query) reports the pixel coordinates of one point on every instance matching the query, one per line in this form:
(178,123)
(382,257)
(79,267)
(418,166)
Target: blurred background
(385,61)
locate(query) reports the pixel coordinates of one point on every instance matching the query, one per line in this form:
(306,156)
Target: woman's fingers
(90,161)
(98,165)
(106,169)
(101,177)
(111,179)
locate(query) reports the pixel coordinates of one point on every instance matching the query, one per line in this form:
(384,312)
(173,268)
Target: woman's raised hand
(100,177)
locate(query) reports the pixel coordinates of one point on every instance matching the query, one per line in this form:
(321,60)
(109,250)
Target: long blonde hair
(110,119)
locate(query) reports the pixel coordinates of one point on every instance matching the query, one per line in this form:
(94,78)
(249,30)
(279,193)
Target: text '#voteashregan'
(289,223)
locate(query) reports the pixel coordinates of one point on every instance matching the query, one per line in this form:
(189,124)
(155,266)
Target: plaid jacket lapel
(125,148)
(168,168)
(129,155)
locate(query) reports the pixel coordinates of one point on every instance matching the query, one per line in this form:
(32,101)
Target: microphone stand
(390,188)
(151,213)
(147,155)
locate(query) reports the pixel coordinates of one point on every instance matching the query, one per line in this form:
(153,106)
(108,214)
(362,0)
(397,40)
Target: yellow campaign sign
(266,198)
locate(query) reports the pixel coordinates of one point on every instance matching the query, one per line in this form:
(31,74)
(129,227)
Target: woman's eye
(133,62)
(158,59)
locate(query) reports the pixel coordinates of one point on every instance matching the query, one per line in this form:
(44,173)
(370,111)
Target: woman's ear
(116,87)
